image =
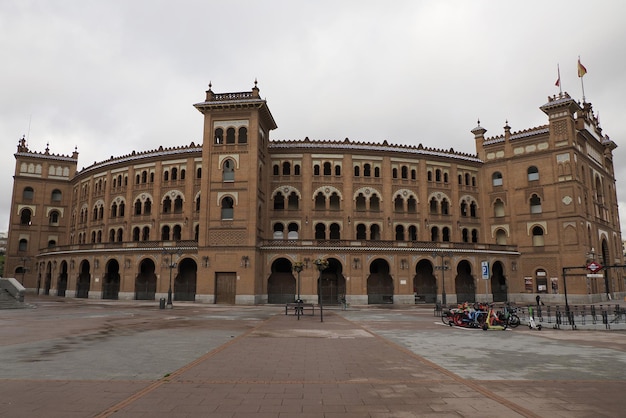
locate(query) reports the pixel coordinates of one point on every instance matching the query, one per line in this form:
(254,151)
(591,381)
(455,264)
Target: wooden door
(225,288)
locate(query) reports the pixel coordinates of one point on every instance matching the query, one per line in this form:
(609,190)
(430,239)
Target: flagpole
(558,70)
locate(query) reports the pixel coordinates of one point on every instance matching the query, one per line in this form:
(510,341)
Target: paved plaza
(93,358)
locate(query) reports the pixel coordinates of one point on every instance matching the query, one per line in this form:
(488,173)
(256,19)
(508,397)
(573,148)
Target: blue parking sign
(485,269)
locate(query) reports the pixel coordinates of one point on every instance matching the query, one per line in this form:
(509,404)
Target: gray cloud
(110,77)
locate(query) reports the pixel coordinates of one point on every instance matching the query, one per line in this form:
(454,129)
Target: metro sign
(594,267)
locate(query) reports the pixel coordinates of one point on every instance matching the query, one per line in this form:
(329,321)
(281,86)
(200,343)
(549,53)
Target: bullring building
(226,221)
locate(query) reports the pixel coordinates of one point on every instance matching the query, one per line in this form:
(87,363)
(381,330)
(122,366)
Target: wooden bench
(293,307)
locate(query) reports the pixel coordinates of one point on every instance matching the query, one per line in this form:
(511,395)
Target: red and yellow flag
(581,69)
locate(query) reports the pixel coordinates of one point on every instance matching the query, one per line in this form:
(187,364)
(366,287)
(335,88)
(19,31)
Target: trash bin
(162,303)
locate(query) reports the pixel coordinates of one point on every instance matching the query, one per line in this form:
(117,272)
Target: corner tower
(234,191)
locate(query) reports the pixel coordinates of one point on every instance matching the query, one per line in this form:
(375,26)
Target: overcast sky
(110,77)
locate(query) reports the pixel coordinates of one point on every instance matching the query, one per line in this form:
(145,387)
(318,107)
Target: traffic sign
(594,267)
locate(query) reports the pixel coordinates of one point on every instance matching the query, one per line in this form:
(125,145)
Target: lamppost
(297,267)
(24,260)
(322,264)
(171,264)
(443,267)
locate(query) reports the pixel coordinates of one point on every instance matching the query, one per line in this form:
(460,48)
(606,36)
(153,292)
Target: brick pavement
(354,364)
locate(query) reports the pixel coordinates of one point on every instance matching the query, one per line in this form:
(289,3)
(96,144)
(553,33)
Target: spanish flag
(581,69)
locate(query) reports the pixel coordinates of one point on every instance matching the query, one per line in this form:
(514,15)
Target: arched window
(463,208)
(375,232)
(320,231)
(411,205)
(178,204)
(501,237)
(398,204)
(279,231)
(199,173)
(54,218)
(112,235)
(138,207)
(399,233)
(230,135)
(198,204)
(174,173)
(498,208)
(474,235)
(412,233)
(296,169)
(496,178)
(361,231)
(145,235)
(360,203)
(394,173)
(275,170)
(121,209)
(227,205)
(473,209)
(437,175)
(434,205)
(147,207)
(56,195)
(120,235)
(533,173)
(337,170)
(377,172)
(335,231)
(165,233)
(23,245)
(327,169)
(286,168)
(404,172)
(177,233)
(320,201)
(28,193)
(357,171)
(374,203)
(292,231)
(279,201)
(445,234)
(334,201)
(228,170)
(535,204)
(465,235)
(114,210)
(219,136)
(293,201)
(434,234)
(167,205)
(538,237)
(316,170)
(243,135)
(25,216)
(445,207)
(429,175)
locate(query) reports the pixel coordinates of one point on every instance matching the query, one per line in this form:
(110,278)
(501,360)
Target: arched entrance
(84,280)
(425,282)
(379,283)
(185,282)
(111,280)
(606,261)
(48,280)
(281,285)
(62,283)
(464,283)
(145,283)
(331,283)
(498,283)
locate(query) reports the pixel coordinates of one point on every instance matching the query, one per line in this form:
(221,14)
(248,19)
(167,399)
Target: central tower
(234,193)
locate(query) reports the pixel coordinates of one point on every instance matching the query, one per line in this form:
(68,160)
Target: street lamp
(24,260)
(171,264)
(297,267)
(443,267)
(321,264)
